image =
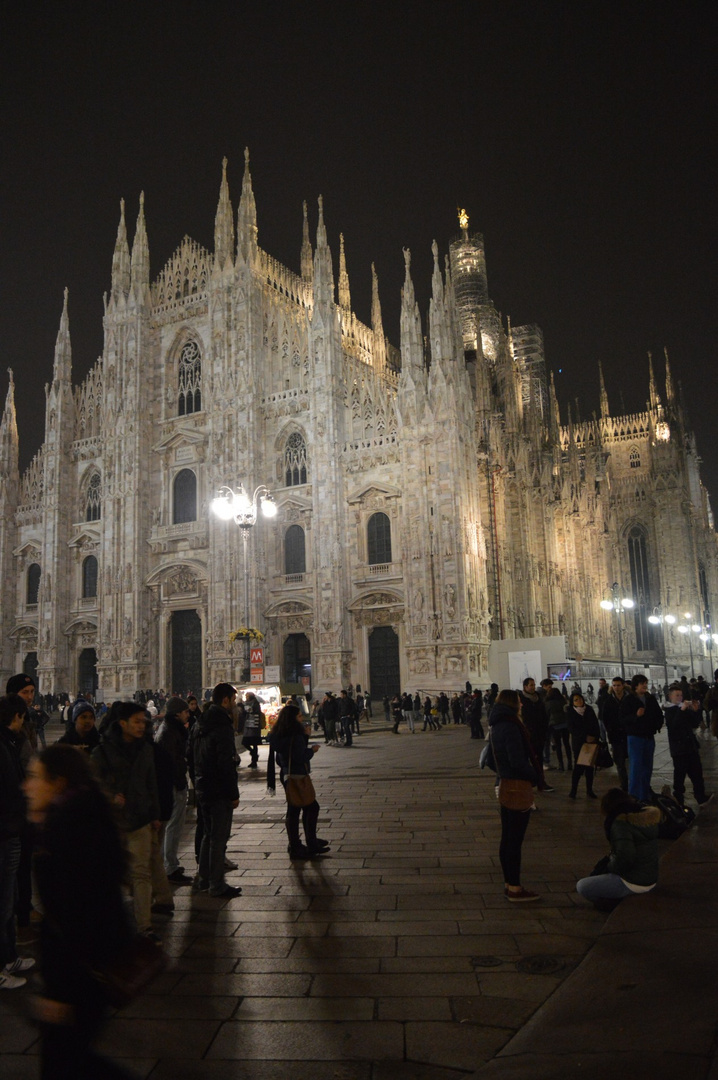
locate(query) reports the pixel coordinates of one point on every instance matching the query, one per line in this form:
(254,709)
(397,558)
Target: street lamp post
(688,629)
(618,605)
(237,506)
(708,637)
(658,618)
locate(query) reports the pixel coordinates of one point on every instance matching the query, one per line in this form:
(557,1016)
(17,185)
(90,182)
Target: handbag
(516,794)
(127,975)
(299,789)
(587,754)
(604,760)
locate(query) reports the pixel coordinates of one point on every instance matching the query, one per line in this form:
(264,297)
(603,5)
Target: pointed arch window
(379,539)
(634,458)
(33,583)
(295,556)
(89,577)
(295,460)
(184,501)
(190,380)
(641,588)
(93,505)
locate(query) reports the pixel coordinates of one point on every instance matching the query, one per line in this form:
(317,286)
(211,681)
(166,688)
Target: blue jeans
(173,832)
(9,862)
(640,765)
(602,887)
(217,817)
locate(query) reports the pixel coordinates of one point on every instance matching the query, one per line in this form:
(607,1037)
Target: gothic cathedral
(429,497)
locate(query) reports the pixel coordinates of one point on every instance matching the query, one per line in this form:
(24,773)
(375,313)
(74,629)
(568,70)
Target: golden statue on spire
(463,219)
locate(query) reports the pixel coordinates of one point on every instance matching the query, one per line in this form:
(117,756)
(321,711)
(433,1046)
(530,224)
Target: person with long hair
(519,772)
(632,866)
(583,727)
(289,744)
(79,871)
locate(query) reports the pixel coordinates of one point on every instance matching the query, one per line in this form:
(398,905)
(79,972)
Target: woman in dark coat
(519,773)
(289,744)
(79,870)
(583,727)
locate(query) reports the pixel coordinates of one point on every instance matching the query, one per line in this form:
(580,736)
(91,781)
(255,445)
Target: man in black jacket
(641,717)
(347,711)
(215,777)
(610,717)
(682,719)
(126,765)
(172,737)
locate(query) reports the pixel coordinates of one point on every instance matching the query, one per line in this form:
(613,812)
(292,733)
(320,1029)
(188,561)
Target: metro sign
(256,656)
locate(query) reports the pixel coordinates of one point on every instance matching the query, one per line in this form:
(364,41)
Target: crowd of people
(526,726)
(100,813)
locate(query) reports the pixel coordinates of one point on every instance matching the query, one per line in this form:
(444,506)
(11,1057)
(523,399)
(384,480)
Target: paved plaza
(395,957)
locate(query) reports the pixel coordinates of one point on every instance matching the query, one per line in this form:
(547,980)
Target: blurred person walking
(79,868)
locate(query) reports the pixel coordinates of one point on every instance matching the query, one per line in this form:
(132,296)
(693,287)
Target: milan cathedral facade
(430,498)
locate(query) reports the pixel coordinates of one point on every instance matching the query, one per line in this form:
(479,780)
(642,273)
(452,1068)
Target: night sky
(580,138)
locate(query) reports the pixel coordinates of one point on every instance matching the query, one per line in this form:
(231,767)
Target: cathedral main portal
(186,629)
(384,677)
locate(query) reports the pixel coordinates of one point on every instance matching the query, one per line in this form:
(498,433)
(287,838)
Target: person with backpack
(632,866)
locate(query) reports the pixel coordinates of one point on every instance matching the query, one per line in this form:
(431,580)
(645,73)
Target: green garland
(246,633)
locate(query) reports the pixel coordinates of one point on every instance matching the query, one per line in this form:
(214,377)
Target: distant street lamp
(689,628)
(658,618)
(618,605)
(237,506)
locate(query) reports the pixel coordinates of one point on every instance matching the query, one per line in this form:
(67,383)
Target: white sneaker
(9,982)
(22,963)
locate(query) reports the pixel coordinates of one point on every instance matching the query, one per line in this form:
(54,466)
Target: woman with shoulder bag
(518,772)
(584,729)
(289,744)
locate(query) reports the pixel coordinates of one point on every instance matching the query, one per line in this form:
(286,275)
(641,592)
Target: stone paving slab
(310,1041)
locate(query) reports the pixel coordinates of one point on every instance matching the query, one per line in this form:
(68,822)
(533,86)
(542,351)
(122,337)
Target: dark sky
(581,139)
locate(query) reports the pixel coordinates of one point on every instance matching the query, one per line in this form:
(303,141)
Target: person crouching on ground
(289,743)
(632,866)
(518,773)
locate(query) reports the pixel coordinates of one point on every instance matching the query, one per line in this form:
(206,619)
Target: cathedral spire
(555,412)
(246,214)
(307,256)
(438,329)
(604,396)
(140,278)
(376,324)
(412,345)
(121,259)
(223,223)
(345,300)
(653,398)
(62,366)
(323,273)
(670,393)
(9,442)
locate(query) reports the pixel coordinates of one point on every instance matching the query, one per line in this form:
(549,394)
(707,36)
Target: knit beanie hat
(16,683)
(80,707)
